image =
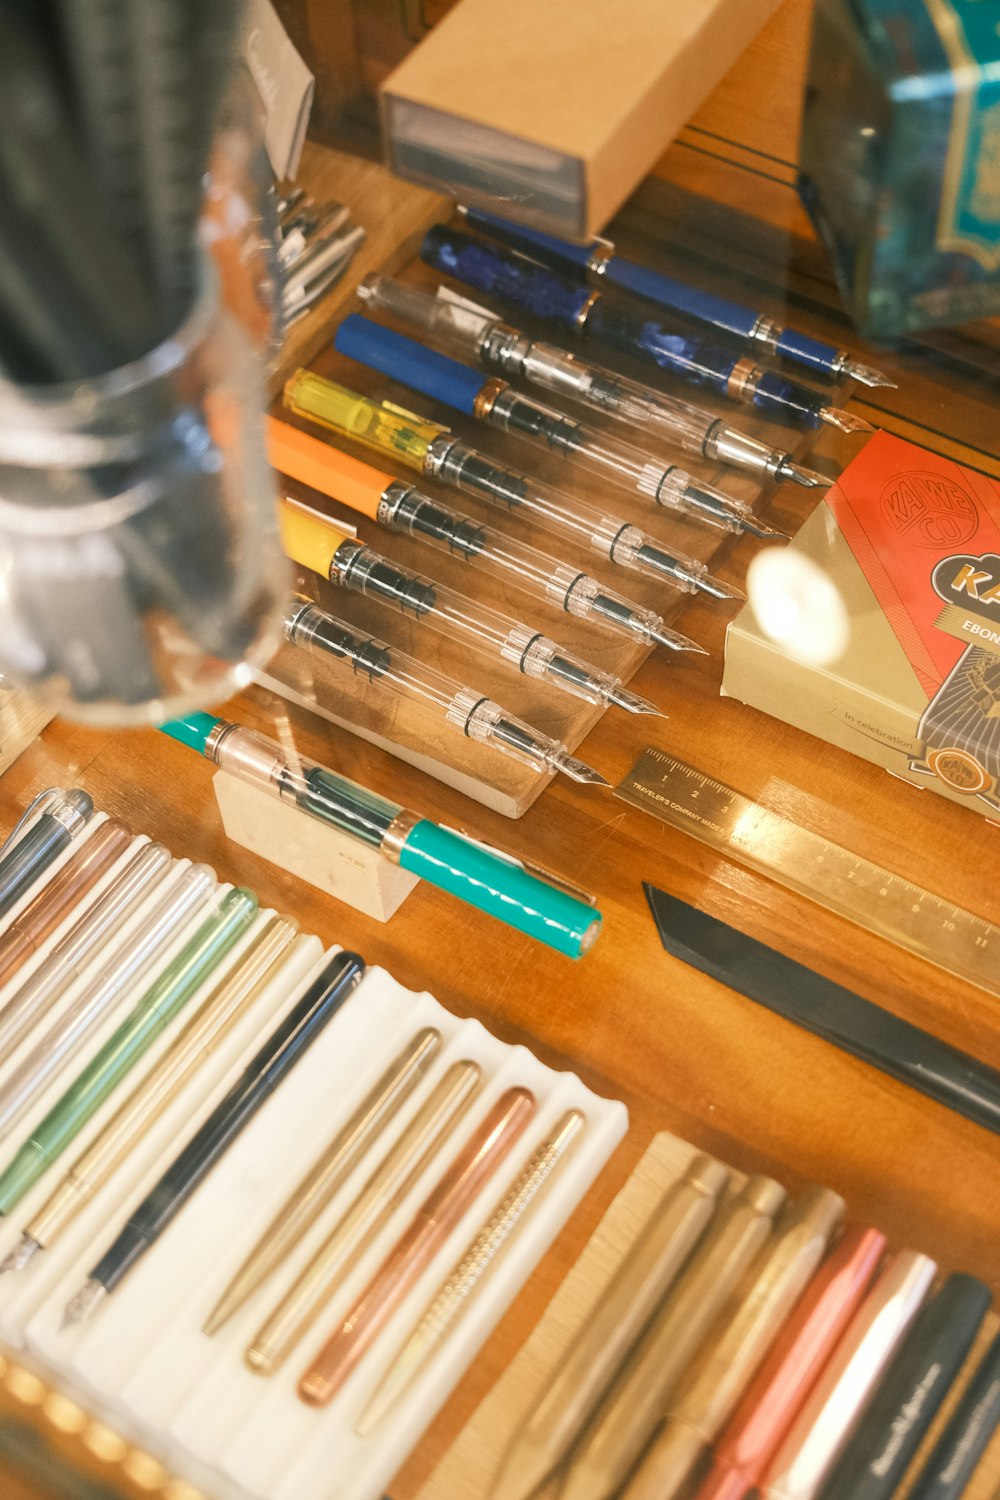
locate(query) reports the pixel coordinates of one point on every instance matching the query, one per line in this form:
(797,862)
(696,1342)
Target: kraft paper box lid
(551,111)
(893,585)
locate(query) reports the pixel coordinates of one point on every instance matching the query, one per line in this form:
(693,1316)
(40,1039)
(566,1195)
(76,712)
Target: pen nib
(866,374)
(717,589)
(844,421)
(799,474)
(764,532)
(674,641)
(578,770)
(20,1255)
(633,704)
(80,1307)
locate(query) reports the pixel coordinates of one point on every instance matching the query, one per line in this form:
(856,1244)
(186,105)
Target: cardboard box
(903,659)
(551,111)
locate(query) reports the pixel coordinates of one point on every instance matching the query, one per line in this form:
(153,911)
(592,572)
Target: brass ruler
(915,919)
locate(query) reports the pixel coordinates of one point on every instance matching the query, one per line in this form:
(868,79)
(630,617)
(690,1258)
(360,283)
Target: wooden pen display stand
(313,851)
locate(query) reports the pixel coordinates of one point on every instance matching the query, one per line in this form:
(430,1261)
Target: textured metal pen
(823,1427)
(388,1185)
(633,1408)
(98,931)
(60,895)
(148,1019)
(64,819)
(600,262)
(452,1298)
(746,1328)
(222,1008)
(270,1065)
(311,1195)
(69,1030)
(588,1366)
(452,1196)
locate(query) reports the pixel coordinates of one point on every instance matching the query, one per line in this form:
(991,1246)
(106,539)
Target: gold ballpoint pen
(631,1412)
(310,1197)
(401,1167)
(226,1002)
(746,1329)
(587,1368)
(452,1298)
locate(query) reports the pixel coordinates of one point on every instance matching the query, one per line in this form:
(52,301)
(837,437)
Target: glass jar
(141,574)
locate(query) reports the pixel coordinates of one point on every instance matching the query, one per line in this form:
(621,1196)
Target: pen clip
(37,805)
(558,882)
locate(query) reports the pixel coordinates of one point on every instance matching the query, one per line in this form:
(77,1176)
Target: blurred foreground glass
(140,568)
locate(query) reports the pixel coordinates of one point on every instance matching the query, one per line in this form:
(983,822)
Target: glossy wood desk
(686,1054)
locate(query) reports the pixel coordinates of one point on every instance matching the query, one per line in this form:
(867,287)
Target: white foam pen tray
(143,1363)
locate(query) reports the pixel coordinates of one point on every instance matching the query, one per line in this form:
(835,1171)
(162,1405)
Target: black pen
(262,1075)
(64,818)
(966,1436)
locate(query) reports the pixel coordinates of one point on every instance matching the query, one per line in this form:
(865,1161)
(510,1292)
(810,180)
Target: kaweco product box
(878,628)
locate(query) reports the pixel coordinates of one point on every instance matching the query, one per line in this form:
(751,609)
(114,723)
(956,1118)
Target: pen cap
(379,424)
(545,246)
(403,359)
(308,539)
(501,888)
(312,461)
(506,274)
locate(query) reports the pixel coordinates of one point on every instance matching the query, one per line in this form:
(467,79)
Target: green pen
(159,1005)
(494,883)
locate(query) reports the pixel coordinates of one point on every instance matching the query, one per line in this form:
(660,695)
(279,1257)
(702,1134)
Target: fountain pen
(490,881)
(269,1066)
(63,818)
(600,262)
(610,321)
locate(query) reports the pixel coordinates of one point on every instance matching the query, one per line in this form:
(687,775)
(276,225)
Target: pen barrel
(42,916)
(99,928)
(746,1328)
(917,1382)
(226,1003)
(32,855)
(500,888)
(966,1435)
(826,1420)
(410,1256)
(448,321)
(399,1169)
(719,313)
(262,1075)
(126,1046)
(402,434)
(637,1401)
(513,278)
(773,1399)
(400,358)
(546,247)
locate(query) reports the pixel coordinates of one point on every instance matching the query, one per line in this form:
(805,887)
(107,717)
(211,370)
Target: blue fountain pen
(599,260)
(521,282)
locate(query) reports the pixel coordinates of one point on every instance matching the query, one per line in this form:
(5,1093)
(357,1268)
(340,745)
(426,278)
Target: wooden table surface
(684,1052)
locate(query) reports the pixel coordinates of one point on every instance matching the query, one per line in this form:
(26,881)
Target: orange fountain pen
(413,1252)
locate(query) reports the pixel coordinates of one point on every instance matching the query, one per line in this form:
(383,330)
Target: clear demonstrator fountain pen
(590,314)
(402,508)
(600,261)
(493,401)
(478,334)
(462,710)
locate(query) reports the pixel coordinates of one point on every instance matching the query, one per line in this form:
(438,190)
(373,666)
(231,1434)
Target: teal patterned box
(900,158)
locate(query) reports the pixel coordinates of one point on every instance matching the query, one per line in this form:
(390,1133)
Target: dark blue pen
(284,1047)
(524,283)
(599,260)
(63,820)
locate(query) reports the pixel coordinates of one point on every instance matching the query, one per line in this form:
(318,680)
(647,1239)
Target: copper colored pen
(745,1331)
(414,1251)
(779,1390)
(42,916)
(836,1402)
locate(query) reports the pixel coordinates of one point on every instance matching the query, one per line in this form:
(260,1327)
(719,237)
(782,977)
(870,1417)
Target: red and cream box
(878,628)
